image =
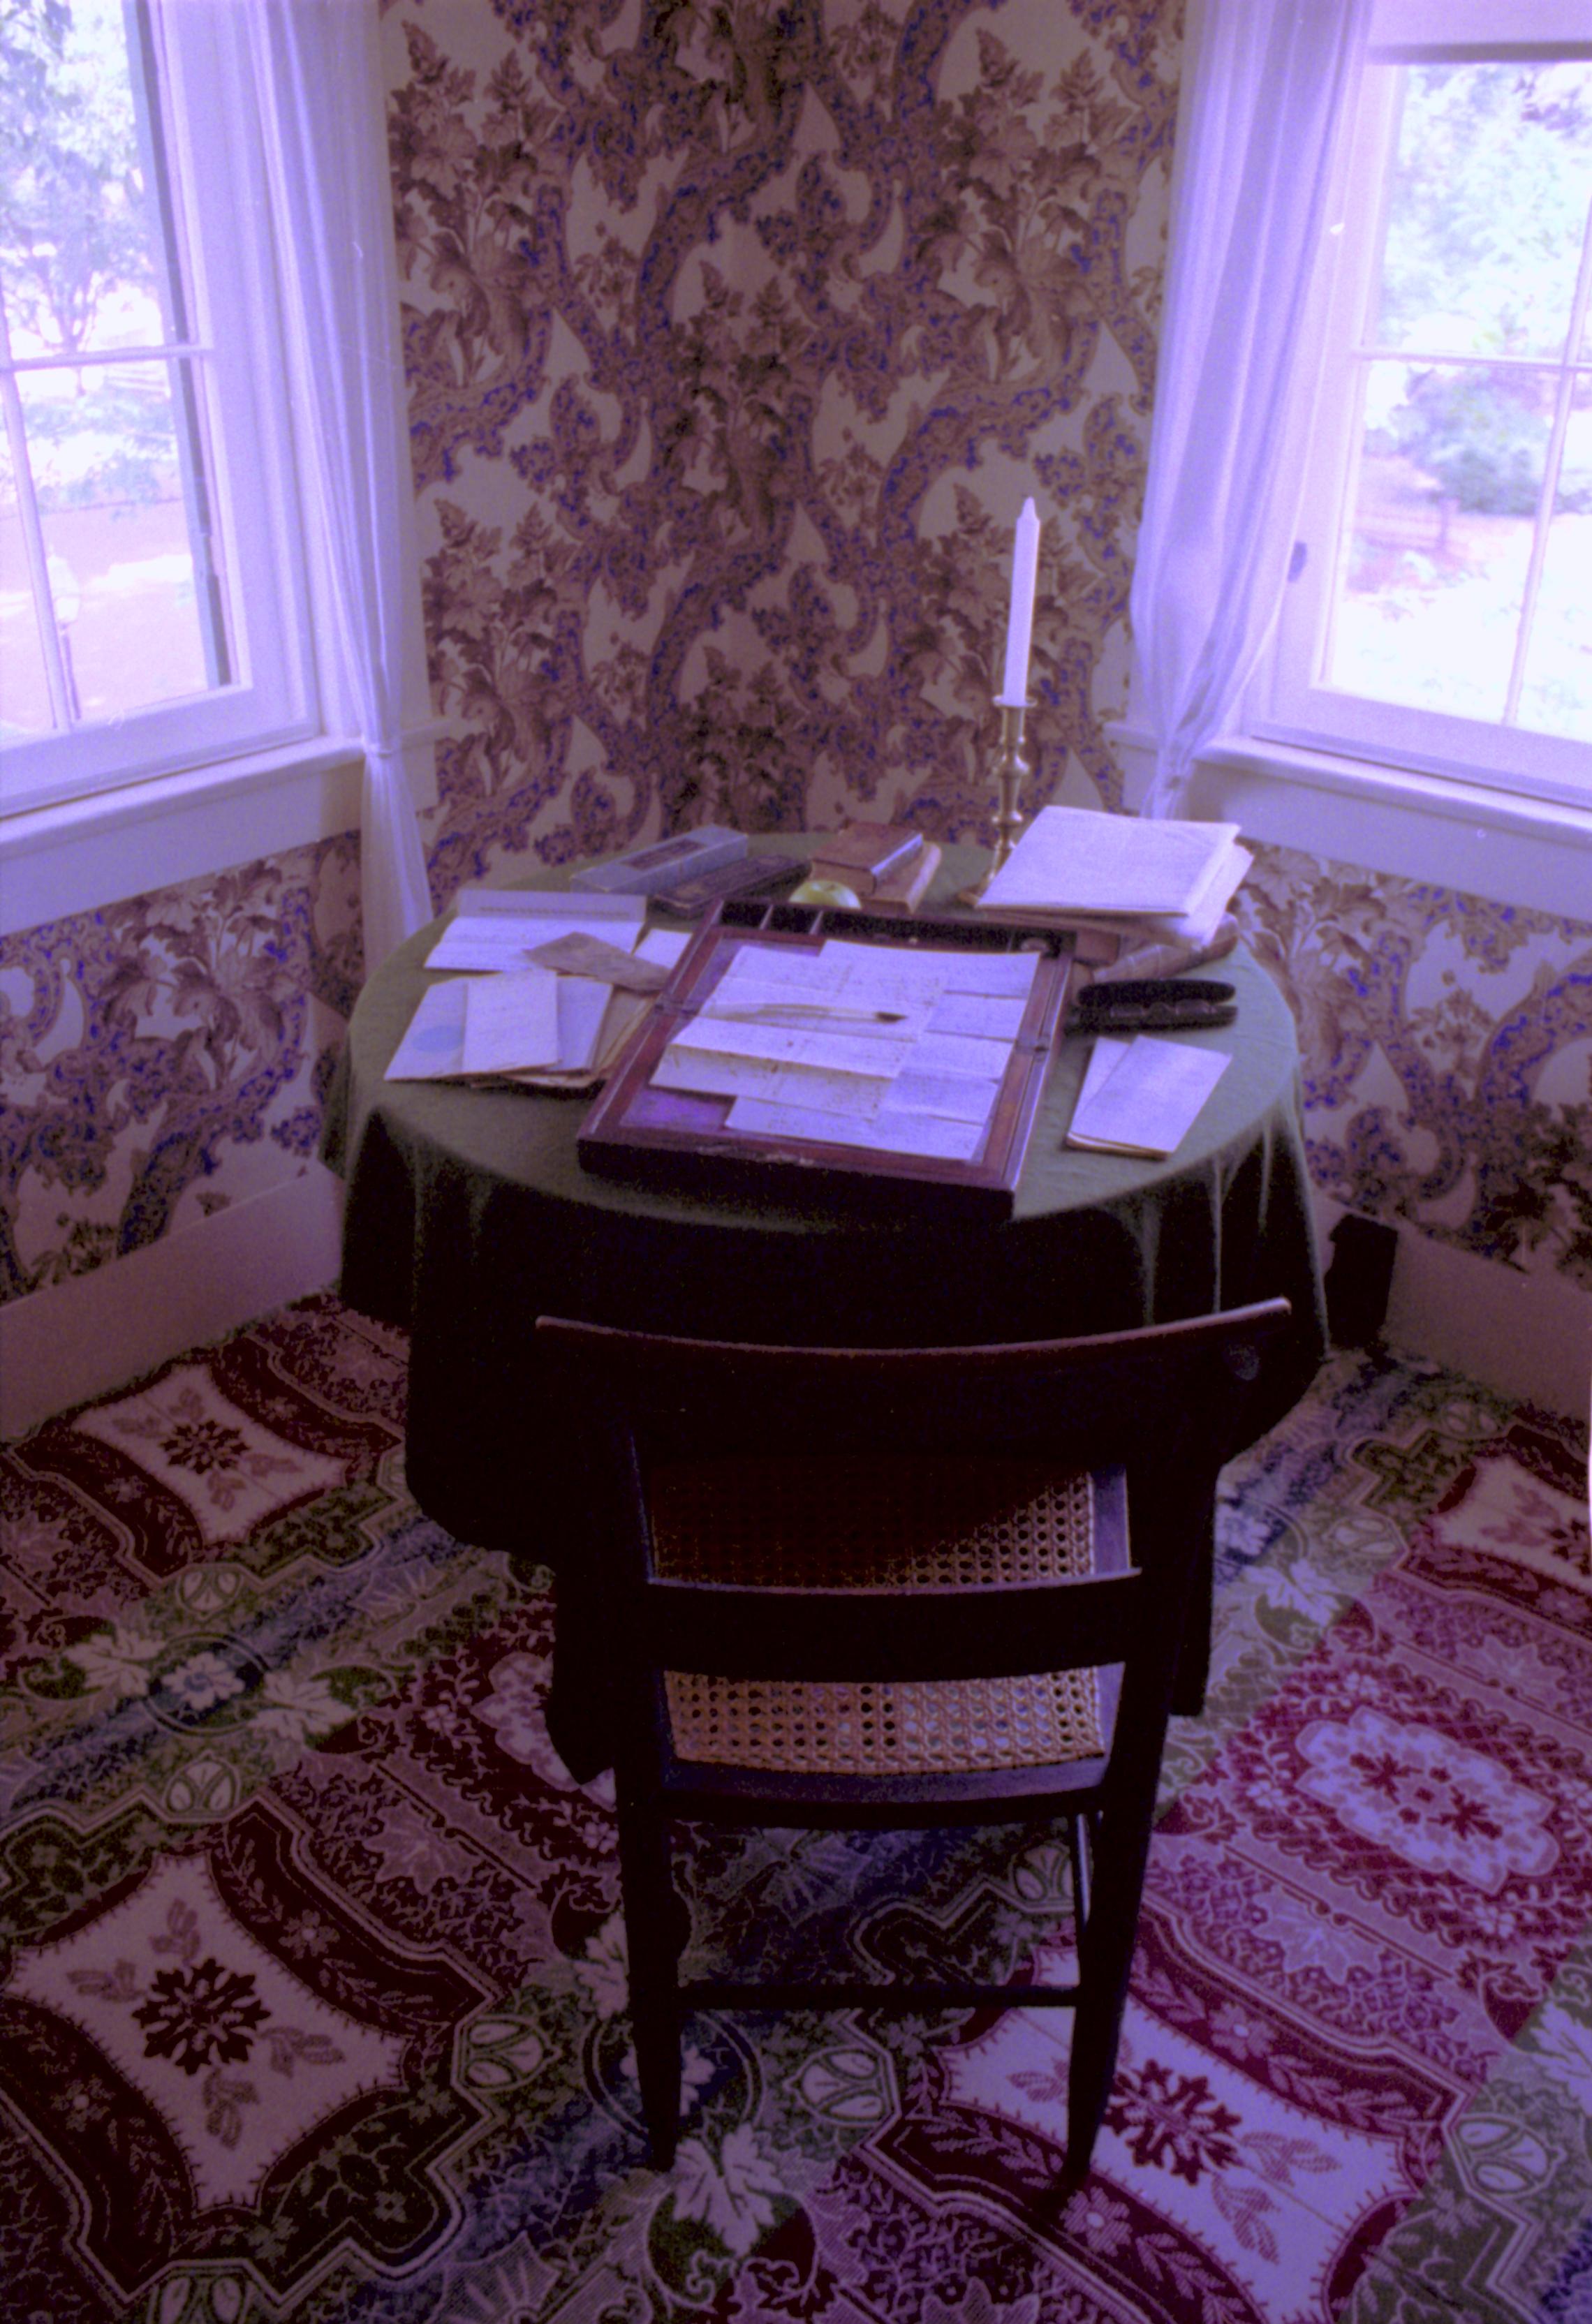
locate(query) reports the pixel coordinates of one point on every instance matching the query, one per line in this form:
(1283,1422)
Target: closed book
(863,853)
(904,888)
(1194,931)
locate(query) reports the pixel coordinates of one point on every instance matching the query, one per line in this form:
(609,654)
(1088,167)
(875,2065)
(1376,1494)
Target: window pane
(109,475)
(25,690)
(1556,695)
(1487,209)
(83,255)
(1432,578)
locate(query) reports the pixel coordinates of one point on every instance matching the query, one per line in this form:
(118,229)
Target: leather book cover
(869,851)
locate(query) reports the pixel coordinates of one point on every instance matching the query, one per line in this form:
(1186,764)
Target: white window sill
(81,853)
(1533,853)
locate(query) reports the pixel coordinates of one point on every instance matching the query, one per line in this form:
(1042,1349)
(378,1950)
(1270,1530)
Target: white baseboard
(1528,1336)
(82,1338)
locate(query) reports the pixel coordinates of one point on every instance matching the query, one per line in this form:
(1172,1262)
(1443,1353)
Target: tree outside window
(110,599)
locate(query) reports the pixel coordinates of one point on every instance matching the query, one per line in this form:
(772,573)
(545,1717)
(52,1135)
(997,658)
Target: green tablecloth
(469,1214)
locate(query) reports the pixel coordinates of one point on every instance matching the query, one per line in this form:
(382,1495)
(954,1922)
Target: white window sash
(278,113)
(1288,702)
(274,699)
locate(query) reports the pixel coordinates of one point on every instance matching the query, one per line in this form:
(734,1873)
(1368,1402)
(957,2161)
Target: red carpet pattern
(311,1980)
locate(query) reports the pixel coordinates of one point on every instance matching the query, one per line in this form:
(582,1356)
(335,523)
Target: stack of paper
(499,928)
(527,1022)
(896,1051)
(1123,873)
(1142,1096)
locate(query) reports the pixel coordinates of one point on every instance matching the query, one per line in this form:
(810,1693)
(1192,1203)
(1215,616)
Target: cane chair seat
(901,1525)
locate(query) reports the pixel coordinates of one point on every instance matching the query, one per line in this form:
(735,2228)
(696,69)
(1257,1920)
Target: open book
(1122,871)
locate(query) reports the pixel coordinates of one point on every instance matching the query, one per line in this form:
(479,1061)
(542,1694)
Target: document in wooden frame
(682,1139)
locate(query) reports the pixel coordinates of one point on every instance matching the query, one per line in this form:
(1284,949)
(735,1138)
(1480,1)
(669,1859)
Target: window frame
(222,226)
(1288,704)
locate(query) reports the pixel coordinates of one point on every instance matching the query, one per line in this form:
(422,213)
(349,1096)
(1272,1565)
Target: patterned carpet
(311,1992)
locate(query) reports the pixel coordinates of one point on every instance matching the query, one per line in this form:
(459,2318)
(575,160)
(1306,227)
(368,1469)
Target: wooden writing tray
(678,1141)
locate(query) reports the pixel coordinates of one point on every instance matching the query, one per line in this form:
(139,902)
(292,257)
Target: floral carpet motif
(312,1998)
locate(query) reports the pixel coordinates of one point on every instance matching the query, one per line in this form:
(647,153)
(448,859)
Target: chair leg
(1081,1842)
(1193,1671)
(1106,1953)
(653,1933)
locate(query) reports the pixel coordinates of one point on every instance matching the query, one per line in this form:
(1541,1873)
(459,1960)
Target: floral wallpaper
(1448,1055)
(737,331)
(162,1057)
(735,339)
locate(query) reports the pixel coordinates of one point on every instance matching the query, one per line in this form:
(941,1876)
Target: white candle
(1020,627)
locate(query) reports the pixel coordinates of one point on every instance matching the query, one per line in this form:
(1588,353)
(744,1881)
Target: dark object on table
(754,875)
(679,1139)
(1153,1005)
(1359,1280)
(644,870)
(931,1614)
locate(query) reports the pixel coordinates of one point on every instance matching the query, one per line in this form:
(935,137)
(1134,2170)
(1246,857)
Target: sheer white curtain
(318,74)
(1267,104)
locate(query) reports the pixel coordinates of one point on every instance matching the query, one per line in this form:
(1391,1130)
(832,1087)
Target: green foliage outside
(1487,219)
(77,232)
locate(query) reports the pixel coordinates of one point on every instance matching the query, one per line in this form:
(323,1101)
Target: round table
(469,1214)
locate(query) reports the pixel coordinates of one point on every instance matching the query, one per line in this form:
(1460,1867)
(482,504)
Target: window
(151,581)
(1438,615)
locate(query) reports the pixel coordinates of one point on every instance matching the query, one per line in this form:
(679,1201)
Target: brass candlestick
(1009,768)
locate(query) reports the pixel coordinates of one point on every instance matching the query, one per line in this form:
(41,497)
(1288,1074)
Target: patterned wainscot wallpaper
(737,331)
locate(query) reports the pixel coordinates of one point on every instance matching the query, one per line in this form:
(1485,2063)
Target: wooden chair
(903,1588)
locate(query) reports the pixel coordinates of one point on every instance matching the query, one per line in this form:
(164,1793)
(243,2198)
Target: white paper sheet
(499,934)
(831,1051)
(953,1097)
(663,945)
(537,903)
(960,1053)
(806,1011)
(987,1016)
(760,1077)
(1004,976)
(886,976)
(433,1046)
(851,975)
(814,1045)
(511,1021)
(611,1015)
(782,970)
(582,1004)
(1142,1096)
(922,1135)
